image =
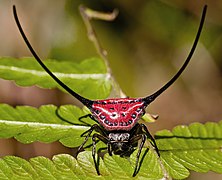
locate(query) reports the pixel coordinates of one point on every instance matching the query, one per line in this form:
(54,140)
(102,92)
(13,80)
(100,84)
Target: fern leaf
(195,147)
(89,73)
(28,124)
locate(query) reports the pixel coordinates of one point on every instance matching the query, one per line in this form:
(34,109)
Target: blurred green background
(146,45)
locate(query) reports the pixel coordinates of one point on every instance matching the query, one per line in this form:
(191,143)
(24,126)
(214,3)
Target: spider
(117,119)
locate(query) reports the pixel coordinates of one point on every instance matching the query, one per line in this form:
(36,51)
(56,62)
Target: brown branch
(89,14)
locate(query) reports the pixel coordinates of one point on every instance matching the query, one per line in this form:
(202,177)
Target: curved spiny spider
(117,119)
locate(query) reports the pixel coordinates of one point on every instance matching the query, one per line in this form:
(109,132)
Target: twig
(89,14)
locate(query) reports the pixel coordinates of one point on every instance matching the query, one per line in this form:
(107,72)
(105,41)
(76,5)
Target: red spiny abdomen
(118,114)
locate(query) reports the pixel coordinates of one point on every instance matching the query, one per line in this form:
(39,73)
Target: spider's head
(120,144)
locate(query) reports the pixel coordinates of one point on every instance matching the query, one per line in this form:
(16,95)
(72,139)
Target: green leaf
(21,169)
(43,167)
(195,147)
(28,124)
(79,77)
(5,171)
(65,166)
(123,168)
(149,117)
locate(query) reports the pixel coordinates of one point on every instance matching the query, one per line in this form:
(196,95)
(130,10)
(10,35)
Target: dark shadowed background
(146,45)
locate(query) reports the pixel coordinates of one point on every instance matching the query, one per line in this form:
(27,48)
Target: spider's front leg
(103,139)
(133,140)
(109,148)
(140,132)
(151,138)
(95,127)
(86,116)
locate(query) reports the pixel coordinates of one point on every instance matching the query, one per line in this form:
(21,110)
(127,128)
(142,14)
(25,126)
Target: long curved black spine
(85,101)
(153,96)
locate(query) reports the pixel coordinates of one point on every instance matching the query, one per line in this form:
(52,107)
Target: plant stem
(89,14)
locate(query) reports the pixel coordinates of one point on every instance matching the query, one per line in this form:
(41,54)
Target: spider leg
(133,140)
(66,120)
(136,129)
(109,148)
(60,117)
(103,139)
(151,138)
(86,116)
(93,127)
